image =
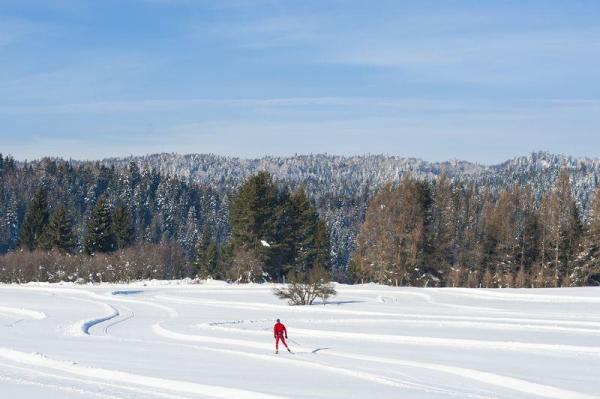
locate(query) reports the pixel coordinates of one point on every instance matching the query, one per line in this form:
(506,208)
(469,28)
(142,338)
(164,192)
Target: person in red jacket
(280,332)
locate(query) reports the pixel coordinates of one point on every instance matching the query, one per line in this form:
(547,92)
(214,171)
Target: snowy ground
(171,340)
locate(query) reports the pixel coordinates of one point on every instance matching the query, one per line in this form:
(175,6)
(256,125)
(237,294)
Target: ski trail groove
(509,326)
(108,326)
(498,380)
(83,327)
(519,297)
(38,360)
(87,381)
(370,377)
(493,379)
(587,351)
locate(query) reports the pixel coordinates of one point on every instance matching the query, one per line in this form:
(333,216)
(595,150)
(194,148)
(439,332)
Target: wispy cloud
(497,57)
(473,48)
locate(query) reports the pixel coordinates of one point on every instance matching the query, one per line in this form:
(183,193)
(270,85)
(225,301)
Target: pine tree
(212,260)
(200,262)
(35,222)
(322,246)
(282,230)
(253,221)
(100,236)
(122,227)
(188,234)
(305,224)
(59,233)
(283,246)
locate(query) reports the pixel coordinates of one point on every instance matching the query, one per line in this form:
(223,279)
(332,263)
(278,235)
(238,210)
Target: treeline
(66,221)
(273,232)
(92,222)
(449,233)
(159,208)
(341,186)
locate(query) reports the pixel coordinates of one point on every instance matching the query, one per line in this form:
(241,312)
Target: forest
(425,225)
(450,234)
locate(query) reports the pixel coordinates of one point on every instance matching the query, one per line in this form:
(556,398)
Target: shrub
(163,261)
(303,289)
(245,267)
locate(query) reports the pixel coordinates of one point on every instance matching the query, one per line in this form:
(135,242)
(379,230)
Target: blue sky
(475,80)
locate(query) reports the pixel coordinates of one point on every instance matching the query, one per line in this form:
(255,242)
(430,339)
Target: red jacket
(279,329)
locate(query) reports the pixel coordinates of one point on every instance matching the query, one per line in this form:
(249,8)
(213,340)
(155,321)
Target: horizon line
(563,156)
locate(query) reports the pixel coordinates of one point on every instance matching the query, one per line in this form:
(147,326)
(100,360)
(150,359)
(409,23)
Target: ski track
(518,297)
(428,341)
(369,377)
(159,330)
(504,382)
(39,360)
(330,310)
(509,326)
(454,342)
(405,340)
(56,387)
(441,319)
(130,316)
(84,326)
(481,294)
(267,306)
(70,381)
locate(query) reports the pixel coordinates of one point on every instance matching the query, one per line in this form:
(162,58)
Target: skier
(280,332)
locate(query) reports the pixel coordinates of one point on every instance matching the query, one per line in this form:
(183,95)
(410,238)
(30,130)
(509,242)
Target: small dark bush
(303,289)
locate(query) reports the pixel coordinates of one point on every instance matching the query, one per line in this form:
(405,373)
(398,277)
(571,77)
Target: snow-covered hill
(177,340)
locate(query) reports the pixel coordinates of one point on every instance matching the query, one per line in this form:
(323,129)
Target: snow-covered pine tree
(59,233)
(35,222)
(123,227)
(100,236)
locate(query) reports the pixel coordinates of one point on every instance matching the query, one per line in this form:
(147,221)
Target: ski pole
(294,342)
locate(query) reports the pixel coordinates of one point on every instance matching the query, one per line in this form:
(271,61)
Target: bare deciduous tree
(246,266)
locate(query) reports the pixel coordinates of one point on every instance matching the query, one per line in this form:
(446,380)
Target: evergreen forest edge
(67,221)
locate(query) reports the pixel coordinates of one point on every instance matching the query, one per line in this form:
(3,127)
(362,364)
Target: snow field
(176,340)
